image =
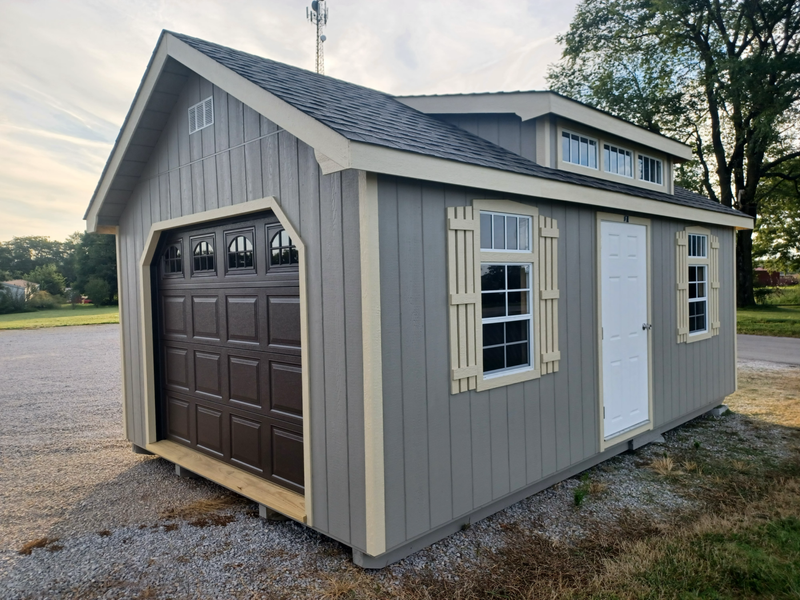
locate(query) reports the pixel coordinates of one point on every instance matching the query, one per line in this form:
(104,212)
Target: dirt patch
(45,542)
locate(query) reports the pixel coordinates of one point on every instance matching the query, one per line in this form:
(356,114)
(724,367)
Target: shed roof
(362,115)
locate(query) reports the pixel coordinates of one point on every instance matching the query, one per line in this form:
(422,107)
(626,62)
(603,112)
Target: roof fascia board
(129,128)
(387,161)
(531,105)
(296,122)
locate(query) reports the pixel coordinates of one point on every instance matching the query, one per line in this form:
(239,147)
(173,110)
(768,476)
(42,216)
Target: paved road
(771,349)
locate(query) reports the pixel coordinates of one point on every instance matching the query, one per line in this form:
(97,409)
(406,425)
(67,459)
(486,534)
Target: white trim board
(146,314)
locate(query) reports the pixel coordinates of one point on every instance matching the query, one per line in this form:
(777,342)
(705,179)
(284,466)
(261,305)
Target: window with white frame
(650,169)
(617,160)
(578,150)
(505,232)
(507,317)
(698,284)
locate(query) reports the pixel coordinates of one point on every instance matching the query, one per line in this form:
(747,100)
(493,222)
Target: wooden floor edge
(286,502)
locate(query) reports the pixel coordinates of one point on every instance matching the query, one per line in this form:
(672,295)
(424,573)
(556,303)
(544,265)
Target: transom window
(649,169)
(172,260)
(617,160)
(282,251)
(203,257)
(505,232)
(698,298)
(578,150)
(240,253)
(507,317)
(697,245)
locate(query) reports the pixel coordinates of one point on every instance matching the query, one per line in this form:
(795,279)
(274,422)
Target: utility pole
(318,16)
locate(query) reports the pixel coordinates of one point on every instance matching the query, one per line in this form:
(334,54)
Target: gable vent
(201,115)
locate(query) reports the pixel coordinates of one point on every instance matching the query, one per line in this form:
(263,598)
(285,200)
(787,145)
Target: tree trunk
(744,269)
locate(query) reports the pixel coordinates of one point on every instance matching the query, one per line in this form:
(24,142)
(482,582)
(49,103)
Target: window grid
(508,321)
(697,245)
(509,233)
(172,260)
(282,251)
(240,253)
(203,257)
(649,169)
(618,160)
(578,150)
(698,298)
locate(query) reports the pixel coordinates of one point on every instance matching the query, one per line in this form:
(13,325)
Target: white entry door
(625,327)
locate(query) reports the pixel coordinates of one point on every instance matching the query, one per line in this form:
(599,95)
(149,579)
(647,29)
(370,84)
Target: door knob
(646,326)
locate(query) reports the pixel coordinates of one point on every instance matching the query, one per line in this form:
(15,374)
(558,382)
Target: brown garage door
(228,304)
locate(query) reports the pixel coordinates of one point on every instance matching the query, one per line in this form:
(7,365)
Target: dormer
(560,133)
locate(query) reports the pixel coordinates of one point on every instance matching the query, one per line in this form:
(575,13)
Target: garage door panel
(242,318)
(286,457)
(286,395)
(244,381)
(208,373)
(179,420)
(246,443)
(209,430)
(177,372)
(283,317)
(206,318)
(173,310)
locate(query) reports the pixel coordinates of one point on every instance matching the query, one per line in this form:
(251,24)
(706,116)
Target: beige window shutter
(682,278)
(713,292)
(462,238)
(548,295)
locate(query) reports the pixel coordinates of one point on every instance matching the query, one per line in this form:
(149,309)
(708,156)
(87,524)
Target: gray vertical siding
(230,163)
(505,130)
(448,455)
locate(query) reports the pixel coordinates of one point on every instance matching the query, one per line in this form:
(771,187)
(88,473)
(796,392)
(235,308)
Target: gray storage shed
(386,317)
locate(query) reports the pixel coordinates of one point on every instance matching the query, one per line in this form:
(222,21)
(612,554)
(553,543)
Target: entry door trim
(146,322)
(625,435)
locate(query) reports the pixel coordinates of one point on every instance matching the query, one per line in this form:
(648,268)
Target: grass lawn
(781,321)
(86,314)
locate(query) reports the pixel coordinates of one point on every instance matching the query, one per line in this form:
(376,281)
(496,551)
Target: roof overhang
(335,153)
(530,105)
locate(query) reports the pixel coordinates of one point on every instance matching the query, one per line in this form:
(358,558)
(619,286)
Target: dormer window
(617,160)
(578,150)
(650,169)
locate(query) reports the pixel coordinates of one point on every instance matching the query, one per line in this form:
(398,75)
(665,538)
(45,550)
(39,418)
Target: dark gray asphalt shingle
(365,115)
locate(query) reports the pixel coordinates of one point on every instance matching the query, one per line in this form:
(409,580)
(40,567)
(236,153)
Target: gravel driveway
(112,524)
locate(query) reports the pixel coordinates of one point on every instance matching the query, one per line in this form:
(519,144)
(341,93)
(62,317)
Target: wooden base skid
(263,492)
(398,553)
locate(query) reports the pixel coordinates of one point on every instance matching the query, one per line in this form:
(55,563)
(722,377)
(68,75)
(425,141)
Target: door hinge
(604,412)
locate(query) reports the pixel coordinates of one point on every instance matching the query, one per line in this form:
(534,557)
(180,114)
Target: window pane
(701,273)
(701,290)
(516,331)
(493,277)
(584,152)
(493,334)
(493,305)
(493,359)
(564,146)
(486,231)
(276,257)
(511,233)
(524,235)
(607,157)
(499,232)
(692,273)
(574,150)
(692,290)
(517,355)
(593,154)
(517,303)
(517,277)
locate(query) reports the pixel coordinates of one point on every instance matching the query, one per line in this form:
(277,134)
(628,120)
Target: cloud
(70,71)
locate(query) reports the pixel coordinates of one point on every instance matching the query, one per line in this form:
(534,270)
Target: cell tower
(318,15)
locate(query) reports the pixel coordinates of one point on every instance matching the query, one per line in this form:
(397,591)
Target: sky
(69,70)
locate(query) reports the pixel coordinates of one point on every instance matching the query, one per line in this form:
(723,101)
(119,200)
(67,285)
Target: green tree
(98,291)
(95,256)
(721,75)
(777,239)
(24,254)
(48,278)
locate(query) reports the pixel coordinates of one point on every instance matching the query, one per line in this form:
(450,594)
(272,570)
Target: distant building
(20,288)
